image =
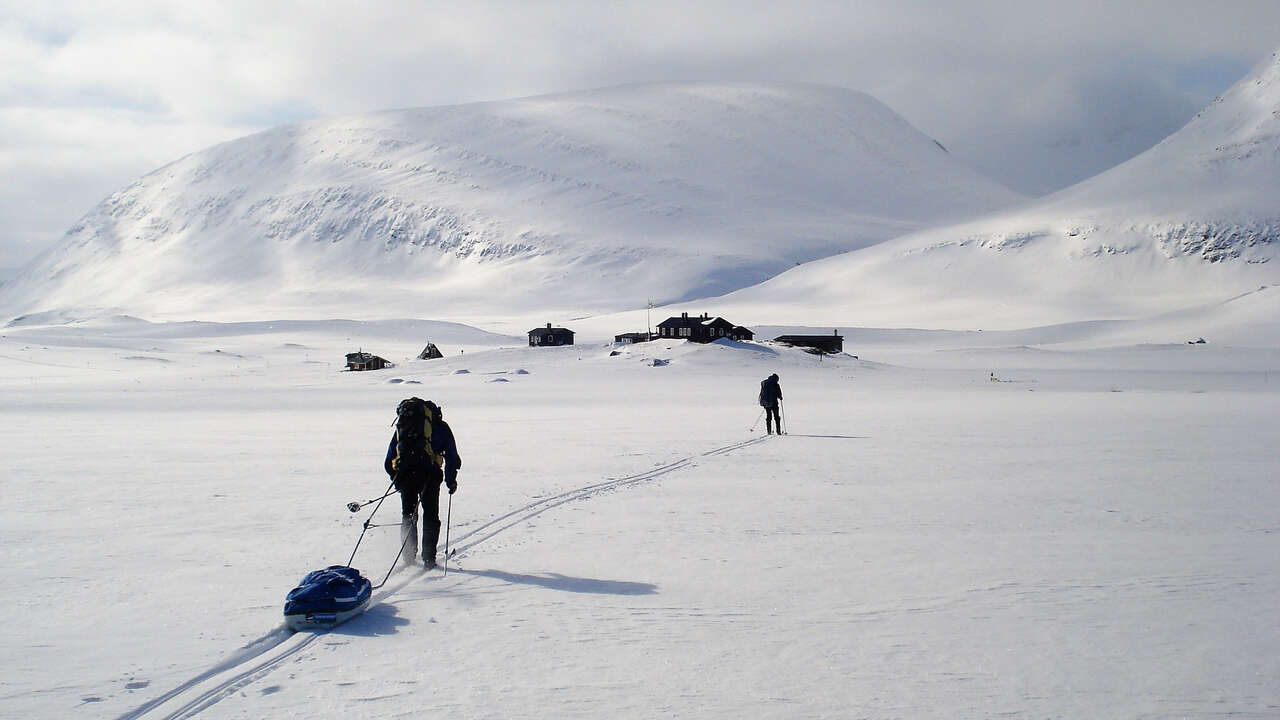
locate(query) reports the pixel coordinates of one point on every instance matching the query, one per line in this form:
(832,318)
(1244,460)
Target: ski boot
(409,537)
(430,538)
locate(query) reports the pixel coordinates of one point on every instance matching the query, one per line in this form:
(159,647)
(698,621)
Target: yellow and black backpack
(414,417)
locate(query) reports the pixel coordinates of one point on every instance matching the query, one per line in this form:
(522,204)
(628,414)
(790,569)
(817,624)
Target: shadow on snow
(381,619)
(833,437)
(556,581)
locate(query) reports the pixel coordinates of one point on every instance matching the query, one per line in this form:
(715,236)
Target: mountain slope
(1192,222)
(586,201)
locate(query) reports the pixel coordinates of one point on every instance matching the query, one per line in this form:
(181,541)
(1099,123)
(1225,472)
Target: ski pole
(354,506)
(757,422)
(366,527)
(390,570)
(448,523)
(781,416)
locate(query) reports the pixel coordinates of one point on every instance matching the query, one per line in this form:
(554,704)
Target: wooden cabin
(361,360)
(550,336)
(832,343)
(702,329)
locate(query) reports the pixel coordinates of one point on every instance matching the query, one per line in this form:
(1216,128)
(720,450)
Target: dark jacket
(442,444)
(770,392)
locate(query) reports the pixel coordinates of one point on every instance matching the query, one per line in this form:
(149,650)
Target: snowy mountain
(1068,156)
(1193,223)
(586,201)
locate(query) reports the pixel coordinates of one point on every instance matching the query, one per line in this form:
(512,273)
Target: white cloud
(93,94)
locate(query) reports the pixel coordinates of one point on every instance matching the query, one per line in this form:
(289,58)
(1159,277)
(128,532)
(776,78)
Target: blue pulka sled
(326,598)
(329,597)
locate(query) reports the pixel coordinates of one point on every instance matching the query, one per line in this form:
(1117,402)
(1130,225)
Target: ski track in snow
(238,676)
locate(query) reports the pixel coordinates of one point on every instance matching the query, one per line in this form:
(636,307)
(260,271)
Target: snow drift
(1191,223)
(586,201)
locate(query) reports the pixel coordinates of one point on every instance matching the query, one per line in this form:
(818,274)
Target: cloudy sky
(1036,93)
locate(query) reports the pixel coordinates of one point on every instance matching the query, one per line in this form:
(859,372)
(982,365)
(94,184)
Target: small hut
(550,336)
(361,360)
(832,343)
(634,337)
(430,352)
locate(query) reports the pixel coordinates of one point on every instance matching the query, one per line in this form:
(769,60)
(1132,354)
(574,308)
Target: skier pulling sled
(422,455)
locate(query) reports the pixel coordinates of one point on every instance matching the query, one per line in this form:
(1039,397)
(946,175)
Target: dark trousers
(772,419)
(423,487)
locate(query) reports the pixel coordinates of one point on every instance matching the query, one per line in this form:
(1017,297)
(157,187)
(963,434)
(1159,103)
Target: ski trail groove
(295,642)
(253,650)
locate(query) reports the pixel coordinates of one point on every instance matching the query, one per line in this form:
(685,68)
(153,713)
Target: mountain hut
(702,329)
(361,360)
(832,343)
(550,336)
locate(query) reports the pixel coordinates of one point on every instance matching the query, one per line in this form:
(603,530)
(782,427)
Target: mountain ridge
(1187,224)
(662,191)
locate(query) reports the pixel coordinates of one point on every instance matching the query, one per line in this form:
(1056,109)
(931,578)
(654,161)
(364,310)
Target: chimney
(684,315)
(548,326)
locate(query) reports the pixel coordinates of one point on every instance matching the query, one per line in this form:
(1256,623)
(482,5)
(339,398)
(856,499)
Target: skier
(770,400)
(422,453)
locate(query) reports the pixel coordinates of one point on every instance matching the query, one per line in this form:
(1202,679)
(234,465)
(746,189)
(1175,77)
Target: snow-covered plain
(1095,535)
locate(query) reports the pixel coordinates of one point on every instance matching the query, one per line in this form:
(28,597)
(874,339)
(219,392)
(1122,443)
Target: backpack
(768,393)
(414,417)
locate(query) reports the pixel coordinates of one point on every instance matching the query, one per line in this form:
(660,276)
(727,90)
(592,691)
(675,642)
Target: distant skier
(422,453)
(770,400)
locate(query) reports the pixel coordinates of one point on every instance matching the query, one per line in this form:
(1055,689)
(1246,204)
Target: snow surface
(1095,535)
(1190,225)
(1062,505)
(584,202)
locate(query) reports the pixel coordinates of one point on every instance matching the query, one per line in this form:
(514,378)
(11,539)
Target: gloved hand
(451,480)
